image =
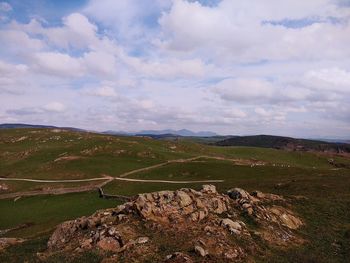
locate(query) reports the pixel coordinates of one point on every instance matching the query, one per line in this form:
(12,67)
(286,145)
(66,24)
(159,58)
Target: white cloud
(76,32)
(10,76)
(243,90)
(234,67)
(54,107)
(128,18)
(100,63)
(170,68)
(58,64)
(234,32)
(332,79)
(19,42)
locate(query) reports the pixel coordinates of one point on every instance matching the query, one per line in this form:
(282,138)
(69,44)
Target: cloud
(233,32)
(251,91)
(76,32)
(227,66)
(129,19)
(58,64)
(54,107)
(331,79)
(10,76)
(19,42)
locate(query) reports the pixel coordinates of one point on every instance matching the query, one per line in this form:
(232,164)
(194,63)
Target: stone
(112,231)
(86,244)
(200,251)
(202,214)
(108,244)
(178,257)
(237,193)
(233,227)
(183,198)
(142,240)
(219,206)
(230,254)
(178,212)
(291,221)
(208,188)
(258,194)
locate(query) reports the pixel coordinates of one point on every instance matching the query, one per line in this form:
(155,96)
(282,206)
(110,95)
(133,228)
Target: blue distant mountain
(34,126)
(183,132)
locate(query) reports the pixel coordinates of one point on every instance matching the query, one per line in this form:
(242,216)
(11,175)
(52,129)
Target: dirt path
(159,165)
(54,181)
(166,181)
(107,179)
(56,191)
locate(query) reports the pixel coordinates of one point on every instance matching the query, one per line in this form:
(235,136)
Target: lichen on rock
(205,221)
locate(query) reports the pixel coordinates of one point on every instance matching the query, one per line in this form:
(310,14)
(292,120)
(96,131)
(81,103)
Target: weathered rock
(192,217)
(178,257)
(233,227)
(286,217)
(108,244)
(184,198)
(142,240)
(200,251)
(86,244)
(238,193)
(258,194)
(208,188)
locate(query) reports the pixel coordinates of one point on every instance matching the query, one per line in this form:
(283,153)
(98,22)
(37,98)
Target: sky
(230,66)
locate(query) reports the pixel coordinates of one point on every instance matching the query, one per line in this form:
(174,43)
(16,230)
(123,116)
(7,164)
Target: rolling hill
(286,143)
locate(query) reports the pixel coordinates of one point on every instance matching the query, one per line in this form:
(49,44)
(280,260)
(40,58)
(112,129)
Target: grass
(19,186)
(326,210)
(45,212)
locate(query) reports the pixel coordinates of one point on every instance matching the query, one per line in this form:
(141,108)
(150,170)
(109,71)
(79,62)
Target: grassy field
(44,154)
(325,206)
(43,213)
(32,153)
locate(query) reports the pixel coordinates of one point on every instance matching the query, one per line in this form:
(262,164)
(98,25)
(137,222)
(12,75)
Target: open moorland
(48,176)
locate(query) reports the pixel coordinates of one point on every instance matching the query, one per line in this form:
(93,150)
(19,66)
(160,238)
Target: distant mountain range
(182,132)
(34,126)
(169,132)
(287,143)
(267,141)
(164,133)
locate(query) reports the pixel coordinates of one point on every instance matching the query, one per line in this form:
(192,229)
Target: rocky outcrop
(201,223)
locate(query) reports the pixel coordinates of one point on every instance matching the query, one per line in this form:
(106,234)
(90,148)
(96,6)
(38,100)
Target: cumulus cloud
(57,64)
(232,31)
(229,66)
(252,90)
(54,107)
(332,79)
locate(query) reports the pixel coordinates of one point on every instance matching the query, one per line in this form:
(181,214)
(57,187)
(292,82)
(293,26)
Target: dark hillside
(288,143)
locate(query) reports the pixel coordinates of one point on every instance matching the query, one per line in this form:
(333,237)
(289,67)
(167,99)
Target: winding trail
(165,181)
(54,181)
(106,178)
